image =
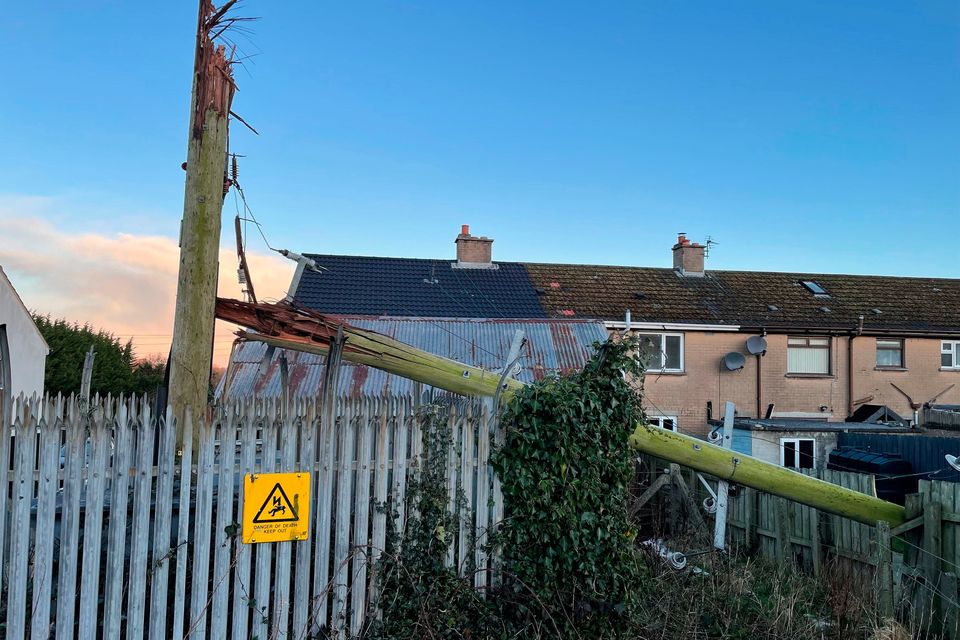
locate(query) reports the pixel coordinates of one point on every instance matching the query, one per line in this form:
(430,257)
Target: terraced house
(831,343)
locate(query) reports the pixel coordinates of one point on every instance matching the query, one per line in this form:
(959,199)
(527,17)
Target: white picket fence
(98,538)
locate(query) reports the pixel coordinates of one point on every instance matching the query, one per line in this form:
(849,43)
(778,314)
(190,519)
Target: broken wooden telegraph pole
(213,88)
(300,329)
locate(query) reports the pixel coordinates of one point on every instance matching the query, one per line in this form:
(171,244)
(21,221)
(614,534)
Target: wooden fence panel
(97,470)
(148,531)
(303,550)
(327,449)
(242,586)
(264,552)
(344,511)
(160,565)
(117,528)
(76,439)
(23,464)
(140,530)
(223,540)
(47,488)
(289,429)
(183,510)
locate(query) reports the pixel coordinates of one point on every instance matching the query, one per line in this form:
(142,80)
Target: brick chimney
(688,257)
(473,252)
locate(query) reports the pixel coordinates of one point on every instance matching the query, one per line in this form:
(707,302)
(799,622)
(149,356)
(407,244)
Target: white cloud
(124,283)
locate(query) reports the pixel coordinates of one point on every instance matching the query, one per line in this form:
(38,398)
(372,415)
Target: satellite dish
(953,461)
(756,345)
(734,361)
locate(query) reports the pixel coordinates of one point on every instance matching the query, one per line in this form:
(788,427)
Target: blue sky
(802,136)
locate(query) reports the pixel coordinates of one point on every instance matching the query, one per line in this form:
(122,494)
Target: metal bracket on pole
(720,526)
(512,366)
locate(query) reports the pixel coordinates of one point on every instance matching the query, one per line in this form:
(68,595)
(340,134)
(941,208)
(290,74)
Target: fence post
(932,541)
(816,542)
(750,518)
(884,574)
(784,529)
(948,590)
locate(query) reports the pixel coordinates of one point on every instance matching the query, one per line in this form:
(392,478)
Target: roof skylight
(815,288)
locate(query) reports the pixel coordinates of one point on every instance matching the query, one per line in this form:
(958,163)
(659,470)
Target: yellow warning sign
(276,507)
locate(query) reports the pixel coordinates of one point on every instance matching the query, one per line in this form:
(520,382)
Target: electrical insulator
(241,276)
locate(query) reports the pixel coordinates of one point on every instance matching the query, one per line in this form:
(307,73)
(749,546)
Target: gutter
(841,331)
(669,326)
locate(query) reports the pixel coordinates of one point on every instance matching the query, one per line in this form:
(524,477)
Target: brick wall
(685,395)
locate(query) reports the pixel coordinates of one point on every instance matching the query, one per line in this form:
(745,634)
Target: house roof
(553,346)
(750,299)
(361,285)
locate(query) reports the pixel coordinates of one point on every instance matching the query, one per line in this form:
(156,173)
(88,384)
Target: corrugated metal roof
(552,346)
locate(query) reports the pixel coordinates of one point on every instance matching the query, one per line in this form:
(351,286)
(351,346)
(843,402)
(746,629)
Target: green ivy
(569,565)
(567,544)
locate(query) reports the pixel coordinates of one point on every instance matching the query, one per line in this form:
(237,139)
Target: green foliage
(567,542)
(115,369)
(421,596)
(570,567)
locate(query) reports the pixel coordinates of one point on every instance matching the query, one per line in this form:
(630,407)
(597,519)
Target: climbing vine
(565,469)
(568,565)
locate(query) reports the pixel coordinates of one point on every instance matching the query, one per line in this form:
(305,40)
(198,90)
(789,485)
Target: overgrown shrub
(567,543)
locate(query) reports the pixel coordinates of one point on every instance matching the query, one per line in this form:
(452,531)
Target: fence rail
(941,418)
(107,530)
(911,570)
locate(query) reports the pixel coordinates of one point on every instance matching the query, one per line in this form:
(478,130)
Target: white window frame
(663,356)
(796,452)
(658,421)
(953,348)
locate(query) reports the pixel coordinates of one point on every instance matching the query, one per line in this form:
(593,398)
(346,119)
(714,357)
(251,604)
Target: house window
(815,288)
(950,354)
(808,355)
(664,422)
(890,353)
(797,453)
(662,351)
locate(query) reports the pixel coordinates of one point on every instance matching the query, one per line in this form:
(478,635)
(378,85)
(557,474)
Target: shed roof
(552,346)
(813,426)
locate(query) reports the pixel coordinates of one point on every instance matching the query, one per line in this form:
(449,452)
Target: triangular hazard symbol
(277,507)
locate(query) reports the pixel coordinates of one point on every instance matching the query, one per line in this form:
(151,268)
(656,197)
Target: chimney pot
(464,229)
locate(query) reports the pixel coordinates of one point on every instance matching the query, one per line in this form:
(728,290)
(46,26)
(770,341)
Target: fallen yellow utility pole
(770,478)
(380,352)
(304,330)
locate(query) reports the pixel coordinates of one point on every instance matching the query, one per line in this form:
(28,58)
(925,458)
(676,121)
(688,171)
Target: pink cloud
(123,283)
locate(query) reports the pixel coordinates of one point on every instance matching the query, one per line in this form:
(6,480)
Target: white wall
(28,351)
(766,444)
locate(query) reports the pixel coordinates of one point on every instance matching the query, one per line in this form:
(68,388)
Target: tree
(114,369)
(148,374)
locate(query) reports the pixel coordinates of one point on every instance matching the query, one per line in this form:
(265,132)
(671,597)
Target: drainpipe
(759,386)
(760,379)
(853,335)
